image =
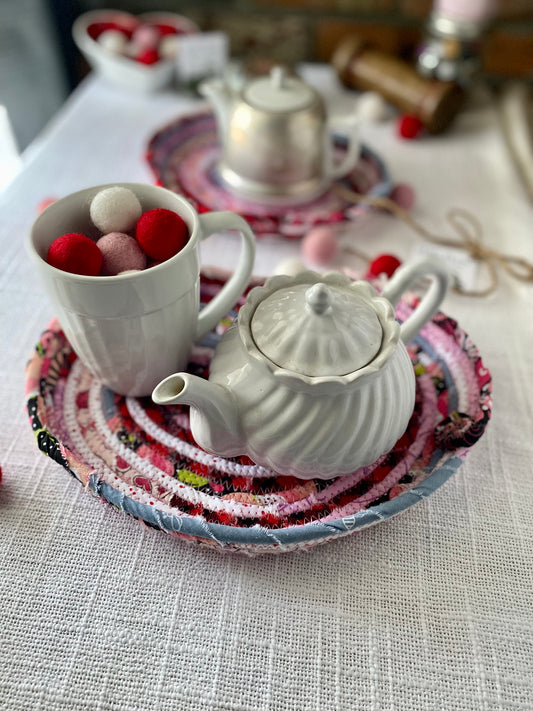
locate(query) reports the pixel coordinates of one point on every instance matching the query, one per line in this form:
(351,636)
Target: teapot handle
(228,296)
(406,275)
(348,128)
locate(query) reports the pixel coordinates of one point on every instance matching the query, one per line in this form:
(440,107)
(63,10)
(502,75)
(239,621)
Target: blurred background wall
(40,65)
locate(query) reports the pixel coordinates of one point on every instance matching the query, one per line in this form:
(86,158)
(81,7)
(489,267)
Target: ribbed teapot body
(295,428)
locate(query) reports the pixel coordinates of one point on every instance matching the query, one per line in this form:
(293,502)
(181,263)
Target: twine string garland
(469,238)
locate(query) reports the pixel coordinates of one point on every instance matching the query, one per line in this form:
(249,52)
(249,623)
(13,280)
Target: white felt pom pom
(372,107)
(132,49)
(168,47)
(113,40)
(290,267)
(115,209)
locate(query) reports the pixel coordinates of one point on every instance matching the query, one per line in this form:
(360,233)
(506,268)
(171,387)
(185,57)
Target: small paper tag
(202,55)
(462,267)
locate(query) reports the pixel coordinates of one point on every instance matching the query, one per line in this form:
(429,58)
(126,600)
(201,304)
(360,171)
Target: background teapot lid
(317,329)
(279,92)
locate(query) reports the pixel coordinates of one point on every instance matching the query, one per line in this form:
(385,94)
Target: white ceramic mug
(132,330)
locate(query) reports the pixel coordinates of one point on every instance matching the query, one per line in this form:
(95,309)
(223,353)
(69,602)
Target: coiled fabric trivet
(183,157)
(142,458)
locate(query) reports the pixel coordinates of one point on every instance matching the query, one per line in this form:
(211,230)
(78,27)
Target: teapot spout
(214,414)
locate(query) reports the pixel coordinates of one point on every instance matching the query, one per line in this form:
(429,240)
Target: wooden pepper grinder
(360,66)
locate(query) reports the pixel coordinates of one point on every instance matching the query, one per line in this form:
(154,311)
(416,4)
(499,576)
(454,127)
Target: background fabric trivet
(183,157)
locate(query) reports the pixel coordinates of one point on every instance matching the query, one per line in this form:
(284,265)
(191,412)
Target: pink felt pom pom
(146,37)
(403,195)
(120,253)
(320,245)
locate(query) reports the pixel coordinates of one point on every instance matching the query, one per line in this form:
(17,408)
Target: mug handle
(227,297)
(348,127)
(406,275)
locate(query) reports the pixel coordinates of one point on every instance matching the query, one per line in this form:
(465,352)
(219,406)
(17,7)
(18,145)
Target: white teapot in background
(313,379)
(276,140)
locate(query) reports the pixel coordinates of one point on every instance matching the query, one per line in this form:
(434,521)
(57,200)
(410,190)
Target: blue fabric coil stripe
(257,535)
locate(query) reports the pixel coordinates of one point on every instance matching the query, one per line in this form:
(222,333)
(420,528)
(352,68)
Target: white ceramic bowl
(119,69)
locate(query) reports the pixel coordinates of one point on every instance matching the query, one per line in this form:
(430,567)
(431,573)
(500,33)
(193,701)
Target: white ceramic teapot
(277,142)
(313,379)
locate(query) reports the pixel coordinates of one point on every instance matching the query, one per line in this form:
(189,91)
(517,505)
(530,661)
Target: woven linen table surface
(432,609)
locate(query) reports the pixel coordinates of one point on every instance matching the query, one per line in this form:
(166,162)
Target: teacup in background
(132,330)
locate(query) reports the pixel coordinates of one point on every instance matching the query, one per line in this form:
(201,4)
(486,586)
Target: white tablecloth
(430,610)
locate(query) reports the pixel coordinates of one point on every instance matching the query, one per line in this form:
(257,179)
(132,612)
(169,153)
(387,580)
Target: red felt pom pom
(46,202)
(95,29)
(383,264)
(165,29)
(161,233)
(409,126)
(75,253)
(148,56)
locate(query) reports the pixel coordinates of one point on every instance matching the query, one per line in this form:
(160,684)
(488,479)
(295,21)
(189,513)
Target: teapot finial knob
(277,77)
(318,298)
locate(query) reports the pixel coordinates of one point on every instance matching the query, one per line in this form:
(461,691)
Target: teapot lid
(279,92)
(318,329)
